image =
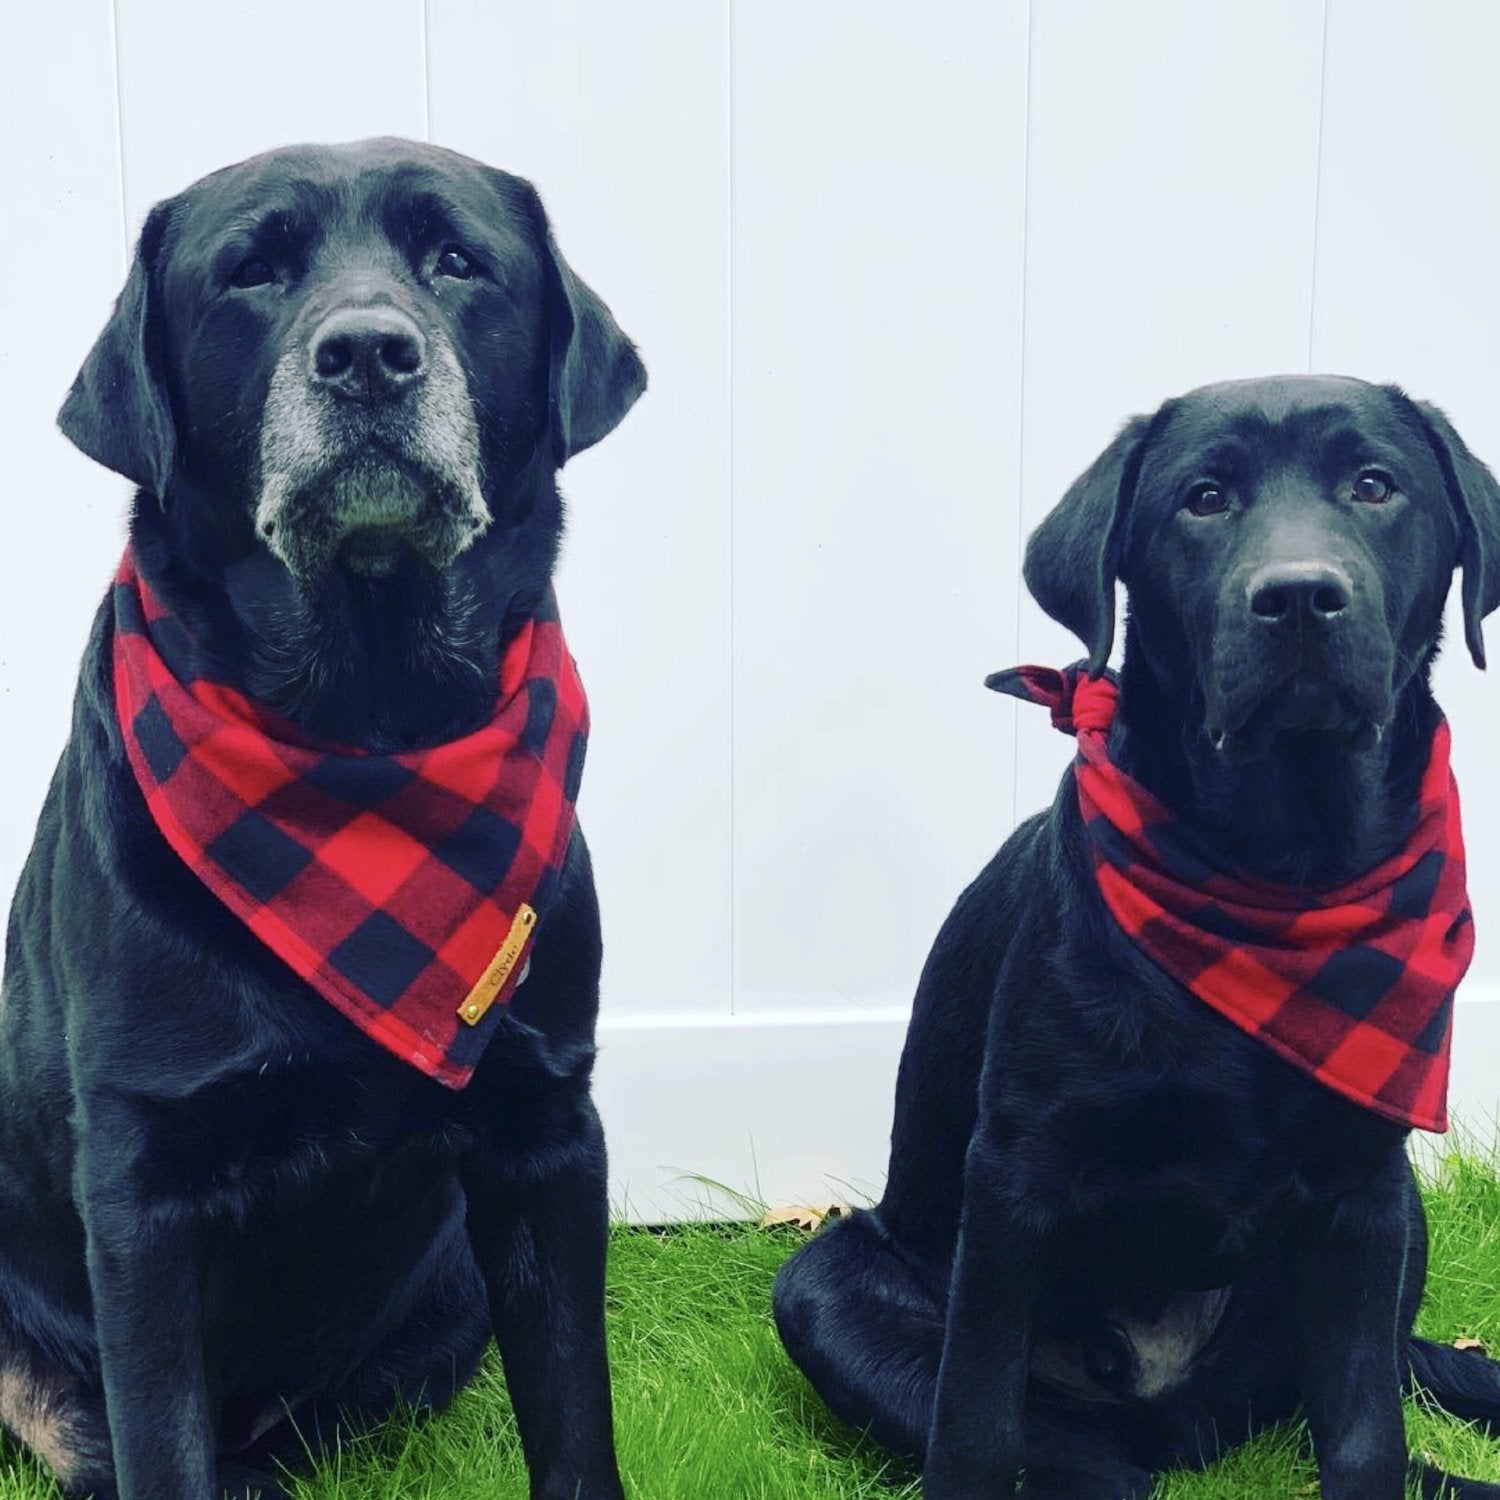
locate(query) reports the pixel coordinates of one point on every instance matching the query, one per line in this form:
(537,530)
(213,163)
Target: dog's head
(1286,545)
(358,362)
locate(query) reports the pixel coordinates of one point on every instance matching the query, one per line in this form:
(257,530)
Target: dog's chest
(289,1132)
(1172,1143)
(1192,1187)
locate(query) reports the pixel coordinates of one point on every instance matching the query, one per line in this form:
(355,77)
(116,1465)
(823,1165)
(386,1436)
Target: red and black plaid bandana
(1354,986)
(405,889)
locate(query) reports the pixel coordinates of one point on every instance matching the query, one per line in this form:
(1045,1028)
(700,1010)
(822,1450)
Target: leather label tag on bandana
(406,889)
(1353,986)
(492,981)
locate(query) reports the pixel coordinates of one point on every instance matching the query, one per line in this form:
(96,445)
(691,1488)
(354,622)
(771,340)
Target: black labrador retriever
(1119,1233)
(234,1226)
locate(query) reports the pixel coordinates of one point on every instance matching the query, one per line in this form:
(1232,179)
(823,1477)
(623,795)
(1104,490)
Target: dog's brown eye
(453,262)
(1207,500)
(254,270)
(1373,486)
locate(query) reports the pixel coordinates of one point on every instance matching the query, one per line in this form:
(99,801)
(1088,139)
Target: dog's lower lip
(1260,730)
(1296,705)
(373,567)
(373,551)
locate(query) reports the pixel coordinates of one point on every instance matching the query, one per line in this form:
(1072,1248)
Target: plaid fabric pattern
(1353,986)
(388,882)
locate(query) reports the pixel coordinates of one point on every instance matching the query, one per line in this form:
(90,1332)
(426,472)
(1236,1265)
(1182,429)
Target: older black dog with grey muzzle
(235,1227)
(1147,1185)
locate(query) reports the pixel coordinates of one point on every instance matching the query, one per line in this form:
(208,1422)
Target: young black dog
(231,1222)
(1119,1232)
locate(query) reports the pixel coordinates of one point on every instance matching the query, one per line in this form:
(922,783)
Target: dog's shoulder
(77,802)
(986,915)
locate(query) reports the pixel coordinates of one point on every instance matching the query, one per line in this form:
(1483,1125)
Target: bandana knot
(1080,704)
(1354,986)
(406,889)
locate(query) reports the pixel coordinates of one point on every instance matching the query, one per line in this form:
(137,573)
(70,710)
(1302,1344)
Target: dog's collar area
(406,889)
(1353,986)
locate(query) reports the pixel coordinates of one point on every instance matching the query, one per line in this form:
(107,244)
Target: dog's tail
(1462,1381)
(1433,1484)
(1465,1384)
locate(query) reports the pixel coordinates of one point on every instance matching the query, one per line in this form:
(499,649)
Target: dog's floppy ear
(1476,501)
(1072,559)
(118,411)
(596,375)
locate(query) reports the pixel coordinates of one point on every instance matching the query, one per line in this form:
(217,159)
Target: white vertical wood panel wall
(62,224)
(878,197)
(898,272)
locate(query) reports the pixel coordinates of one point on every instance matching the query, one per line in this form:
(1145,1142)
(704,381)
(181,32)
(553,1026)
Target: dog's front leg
(539,1230)
(1351,1264)
(977,1443)
(145,1276)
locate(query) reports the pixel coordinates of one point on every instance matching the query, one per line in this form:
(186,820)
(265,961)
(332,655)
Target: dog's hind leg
(62,1421)
(865,1325)
(414,1371)
(54,1414)
(420,1366)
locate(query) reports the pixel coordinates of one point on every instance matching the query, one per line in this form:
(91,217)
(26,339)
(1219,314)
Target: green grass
(709,1408)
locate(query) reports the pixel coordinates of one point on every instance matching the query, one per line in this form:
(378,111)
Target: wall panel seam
(729,450)
(119,91)
(425,18)
(1015,754)
(1312,289)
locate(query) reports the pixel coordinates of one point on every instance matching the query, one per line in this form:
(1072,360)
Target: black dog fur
(1084,1157)
(232,1228)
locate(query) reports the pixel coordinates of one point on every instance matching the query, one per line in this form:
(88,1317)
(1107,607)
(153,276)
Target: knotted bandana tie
(1353,986)
(405,889)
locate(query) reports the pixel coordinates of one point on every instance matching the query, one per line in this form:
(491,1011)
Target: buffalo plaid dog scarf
(405,889)
(1353,986)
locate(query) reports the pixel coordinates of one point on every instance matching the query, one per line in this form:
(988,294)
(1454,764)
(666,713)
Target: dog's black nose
(1290,591)
(367,353)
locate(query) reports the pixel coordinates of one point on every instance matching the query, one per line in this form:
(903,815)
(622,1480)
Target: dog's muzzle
(1300,647)
(369,449)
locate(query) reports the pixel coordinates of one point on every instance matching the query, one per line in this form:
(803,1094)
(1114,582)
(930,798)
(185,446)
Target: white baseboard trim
(779,1108)
(796,1108)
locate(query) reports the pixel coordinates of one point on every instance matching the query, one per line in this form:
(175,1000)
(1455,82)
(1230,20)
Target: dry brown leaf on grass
(807,1217)
(1477,1345)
